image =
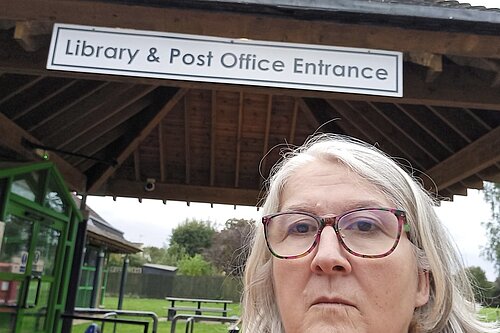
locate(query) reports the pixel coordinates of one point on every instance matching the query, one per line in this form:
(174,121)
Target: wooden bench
(202,305)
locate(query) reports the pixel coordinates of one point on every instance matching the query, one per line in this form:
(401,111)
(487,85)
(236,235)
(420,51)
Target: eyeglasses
(365,232)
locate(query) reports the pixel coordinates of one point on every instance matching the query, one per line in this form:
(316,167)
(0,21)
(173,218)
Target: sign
(224,60)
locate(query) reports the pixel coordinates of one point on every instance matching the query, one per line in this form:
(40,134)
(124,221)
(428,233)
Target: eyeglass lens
(368,232)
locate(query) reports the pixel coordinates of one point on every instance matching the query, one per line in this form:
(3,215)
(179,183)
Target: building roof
(209,142)
(161,267)
(101,233)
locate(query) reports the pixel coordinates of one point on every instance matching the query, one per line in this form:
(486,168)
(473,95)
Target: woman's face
(330,290)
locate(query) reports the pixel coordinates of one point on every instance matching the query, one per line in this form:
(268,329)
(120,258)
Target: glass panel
(7,322)
(15,245)
(45,255)
(27,185)
(34,319)
(9,290)
(54,198)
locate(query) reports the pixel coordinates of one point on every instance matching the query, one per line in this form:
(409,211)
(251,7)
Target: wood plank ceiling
(216,143)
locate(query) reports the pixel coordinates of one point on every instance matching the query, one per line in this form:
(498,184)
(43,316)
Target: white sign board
(223,60)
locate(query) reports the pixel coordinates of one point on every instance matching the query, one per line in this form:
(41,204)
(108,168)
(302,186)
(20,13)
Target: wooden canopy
(110,135)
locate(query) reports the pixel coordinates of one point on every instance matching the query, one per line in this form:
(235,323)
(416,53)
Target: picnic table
(202,305)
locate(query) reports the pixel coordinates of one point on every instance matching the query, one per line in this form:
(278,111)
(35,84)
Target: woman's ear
(423,287)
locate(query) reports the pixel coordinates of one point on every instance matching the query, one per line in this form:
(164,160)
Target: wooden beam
(402,133)
(187,141)
(137,164)
(12,138)
(455,87)
(475,157)
(99,115)
(125,153)
(251,25)
(293,123)
(238,141)
(308,114)
(103,127)
(70,104)
(180,192)
(22,88)
(370,130)
(32,35)
(265,148)
(161,147)
(37,103)
(78,111)
(433,62)
(213,130)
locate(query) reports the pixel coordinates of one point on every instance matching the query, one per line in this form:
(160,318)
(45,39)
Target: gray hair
(451,307)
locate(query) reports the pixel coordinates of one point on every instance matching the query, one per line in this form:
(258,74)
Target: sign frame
(175,56)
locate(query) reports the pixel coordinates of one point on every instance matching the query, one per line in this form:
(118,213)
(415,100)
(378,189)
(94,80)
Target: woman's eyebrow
(343,207)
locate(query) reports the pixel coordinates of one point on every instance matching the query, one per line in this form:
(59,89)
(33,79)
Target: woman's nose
(330,256)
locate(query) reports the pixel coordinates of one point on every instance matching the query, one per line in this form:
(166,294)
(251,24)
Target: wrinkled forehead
(329,185)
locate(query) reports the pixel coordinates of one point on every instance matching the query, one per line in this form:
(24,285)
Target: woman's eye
(301,228)
(361,225)
(364,226)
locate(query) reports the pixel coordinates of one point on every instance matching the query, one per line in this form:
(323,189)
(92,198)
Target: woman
(351,243)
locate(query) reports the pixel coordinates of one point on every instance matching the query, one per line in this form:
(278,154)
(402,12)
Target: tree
(492,249)
(135,260)
(229,248)
(193,235)
(175,253)
(482,288)
(194,266)
(155,255)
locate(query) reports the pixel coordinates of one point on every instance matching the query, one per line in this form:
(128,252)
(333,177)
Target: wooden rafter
(238,140)
(374,133)
(213,131)
(454,88)
(402,132)
(103,127)
(425,128)
(308,114)
(161,147)
(13,137)
(187,141)
(22,88)
(293,123)
(39,102)
(125,153)
(94,147)
(71,104)
(137,164)
(449,124)
(475,157)
(77,112)
(267,130)
(101,114)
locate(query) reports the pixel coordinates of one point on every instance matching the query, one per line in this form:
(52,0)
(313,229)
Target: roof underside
(210,142)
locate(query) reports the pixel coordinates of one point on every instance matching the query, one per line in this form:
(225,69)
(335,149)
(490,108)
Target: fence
(158,286)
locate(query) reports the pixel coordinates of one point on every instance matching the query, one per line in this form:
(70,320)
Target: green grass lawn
(490,314)
(159,307)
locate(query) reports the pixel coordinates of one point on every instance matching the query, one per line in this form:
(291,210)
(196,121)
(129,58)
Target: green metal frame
(66,223)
